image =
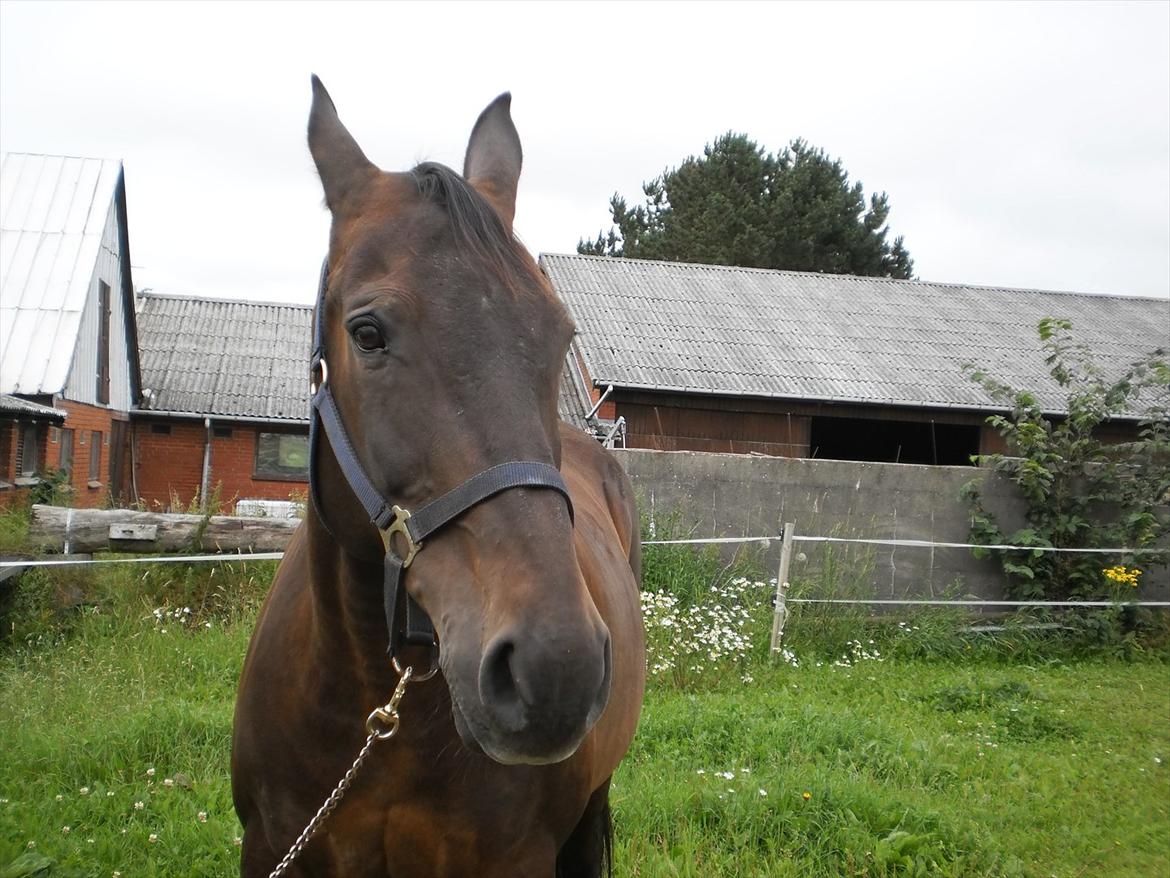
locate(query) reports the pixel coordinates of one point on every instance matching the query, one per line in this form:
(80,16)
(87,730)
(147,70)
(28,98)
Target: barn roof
(242,359)
(225,357)
(726,331)
(14,405)
(52,214)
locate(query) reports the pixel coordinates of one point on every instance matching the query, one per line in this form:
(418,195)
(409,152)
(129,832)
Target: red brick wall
(173,464)
(83,420)
(9,440)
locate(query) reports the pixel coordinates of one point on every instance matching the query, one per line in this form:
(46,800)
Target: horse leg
(257,858)
(588,853)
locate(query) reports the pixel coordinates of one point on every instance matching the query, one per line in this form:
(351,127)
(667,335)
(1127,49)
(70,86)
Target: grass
(945,756)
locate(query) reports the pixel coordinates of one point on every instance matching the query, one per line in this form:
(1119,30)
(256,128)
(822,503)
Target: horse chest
(460,822)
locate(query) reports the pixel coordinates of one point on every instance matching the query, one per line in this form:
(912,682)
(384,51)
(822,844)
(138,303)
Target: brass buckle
(398,526)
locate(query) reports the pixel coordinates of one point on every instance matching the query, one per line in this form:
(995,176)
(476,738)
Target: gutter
(201,416)
(841,400)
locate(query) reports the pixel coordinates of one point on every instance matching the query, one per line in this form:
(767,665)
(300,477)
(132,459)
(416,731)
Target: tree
(1079,492)
(739,205)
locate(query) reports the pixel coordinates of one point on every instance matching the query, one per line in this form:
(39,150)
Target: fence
(788,538)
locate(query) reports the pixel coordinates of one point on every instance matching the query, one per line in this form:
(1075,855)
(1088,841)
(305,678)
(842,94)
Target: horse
(438,350)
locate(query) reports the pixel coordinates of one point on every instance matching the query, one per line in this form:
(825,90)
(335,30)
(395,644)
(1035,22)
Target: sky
(1021,145)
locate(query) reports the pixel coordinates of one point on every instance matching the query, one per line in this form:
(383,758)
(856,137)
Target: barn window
(29,452)
(886,441)
(282,456)
(95,458)
(66,461)
(221,432)
(103,354)
(160,429)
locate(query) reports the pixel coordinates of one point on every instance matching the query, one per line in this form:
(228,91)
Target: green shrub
(1078,491)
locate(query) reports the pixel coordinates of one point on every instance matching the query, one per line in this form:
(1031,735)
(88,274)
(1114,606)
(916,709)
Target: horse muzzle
(536,697)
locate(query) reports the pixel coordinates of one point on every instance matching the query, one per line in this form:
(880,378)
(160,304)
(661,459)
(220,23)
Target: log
(57,529)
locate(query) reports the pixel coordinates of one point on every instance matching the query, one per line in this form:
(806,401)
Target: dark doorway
(894,441)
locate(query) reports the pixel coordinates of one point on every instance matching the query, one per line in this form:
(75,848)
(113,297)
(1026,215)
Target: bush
(1078,492)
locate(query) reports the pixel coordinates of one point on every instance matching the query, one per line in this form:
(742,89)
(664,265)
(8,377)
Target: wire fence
(787,539)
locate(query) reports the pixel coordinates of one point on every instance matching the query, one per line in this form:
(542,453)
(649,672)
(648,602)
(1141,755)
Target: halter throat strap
(407,623)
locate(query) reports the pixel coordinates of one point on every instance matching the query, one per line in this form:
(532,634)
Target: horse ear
(493,160)
(341,164)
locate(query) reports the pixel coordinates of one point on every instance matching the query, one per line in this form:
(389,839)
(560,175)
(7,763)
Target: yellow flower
(806,795)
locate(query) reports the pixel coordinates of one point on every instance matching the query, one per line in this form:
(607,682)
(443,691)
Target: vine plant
(1078,491)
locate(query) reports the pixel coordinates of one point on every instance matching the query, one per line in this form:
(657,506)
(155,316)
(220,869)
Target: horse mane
(478,228)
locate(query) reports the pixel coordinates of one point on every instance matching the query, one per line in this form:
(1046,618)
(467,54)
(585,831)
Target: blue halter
(415,628)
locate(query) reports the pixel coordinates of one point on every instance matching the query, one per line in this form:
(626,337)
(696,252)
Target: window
(160,429)
(282,456)
(28,455)
(221,432)
(95,457)
(103,363)
(66,464)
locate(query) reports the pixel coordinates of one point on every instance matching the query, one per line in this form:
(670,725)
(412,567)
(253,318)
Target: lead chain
(382,724)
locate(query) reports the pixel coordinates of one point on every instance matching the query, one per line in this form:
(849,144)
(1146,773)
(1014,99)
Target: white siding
(82,383)
(54,212)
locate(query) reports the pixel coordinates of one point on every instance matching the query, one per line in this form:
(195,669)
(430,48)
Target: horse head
(445,345)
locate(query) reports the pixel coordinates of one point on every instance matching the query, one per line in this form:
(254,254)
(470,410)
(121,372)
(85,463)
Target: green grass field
(115,730)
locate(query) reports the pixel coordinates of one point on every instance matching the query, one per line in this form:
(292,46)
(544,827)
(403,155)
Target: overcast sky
(1020,145)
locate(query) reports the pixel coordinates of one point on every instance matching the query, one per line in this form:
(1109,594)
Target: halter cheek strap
(406,622)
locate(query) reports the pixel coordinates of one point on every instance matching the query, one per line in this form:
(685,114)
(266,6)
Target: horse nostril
(499,687)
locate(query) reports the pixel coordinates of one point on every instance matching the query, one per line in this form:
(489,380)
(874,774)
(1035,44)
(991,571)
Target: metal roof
(727,331)
(573,402)
(223,357)
(245,359)
(14,405)
(52,214)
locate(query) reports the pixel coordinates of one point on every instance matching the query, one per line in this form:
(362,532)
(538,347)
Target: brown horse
(445,345)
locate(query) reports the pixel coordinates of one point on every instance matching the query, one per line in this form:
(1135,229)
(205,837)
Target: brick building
(224,410)
(68,339)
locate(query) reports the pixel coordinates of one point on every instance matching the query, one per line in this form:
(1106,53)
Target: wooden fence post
(780,613)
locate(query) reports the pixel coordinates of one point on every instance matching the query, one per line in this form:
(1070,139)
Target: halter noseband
(414,527)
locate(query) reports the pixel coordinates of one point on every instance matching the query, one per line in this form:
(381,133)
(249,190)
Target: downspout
(134,462)
(597,406)
(206,466)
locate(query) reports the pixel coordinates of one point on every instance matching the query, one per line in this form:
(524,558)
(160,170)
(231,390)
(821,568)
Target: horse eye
(369,337)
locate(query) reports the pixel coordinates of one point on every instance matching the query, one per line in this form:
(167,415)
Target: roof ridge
(185,297)
(851,277)
(59,155)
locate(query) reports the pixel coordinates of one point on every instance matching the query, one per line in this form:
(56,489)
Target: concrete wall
(736,495)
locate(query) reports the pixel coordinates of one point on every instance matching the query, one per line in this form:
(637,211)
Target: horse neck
(349,620)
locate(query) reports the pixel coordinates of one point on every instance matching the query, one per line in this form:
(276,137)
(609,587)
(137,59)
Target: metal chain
(382,724)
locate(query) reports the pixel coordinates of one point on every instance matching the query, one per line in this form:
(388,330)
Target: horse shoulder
(595,477)
(606,512)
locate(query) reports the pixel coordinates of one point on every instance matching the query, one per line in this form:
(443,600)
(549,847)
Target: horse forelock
(478,229)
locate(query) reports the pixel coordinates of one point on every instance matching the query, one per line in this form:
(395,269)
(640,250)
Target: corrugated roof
(229,358)
(16,406)
(52,214)
(244,359)
(572,402)
(737,331)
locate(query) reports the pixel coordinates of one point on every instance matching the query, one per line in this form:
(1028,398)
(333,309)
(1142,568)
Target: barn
(225,402)
(68,339)
(793,364)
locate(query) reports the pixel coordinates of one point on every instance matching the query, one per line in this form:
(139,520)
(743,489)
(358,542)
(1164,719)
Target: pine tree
(739,205)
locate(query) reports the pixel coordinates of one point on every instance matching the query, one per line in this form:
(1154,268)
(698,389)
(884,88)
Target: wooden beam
(56,529)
